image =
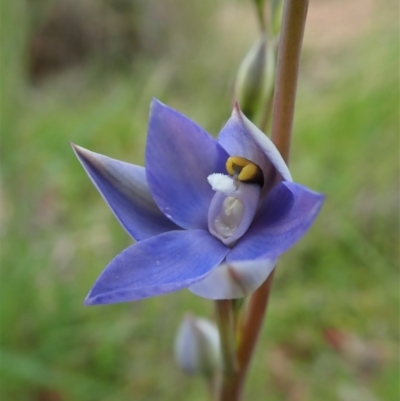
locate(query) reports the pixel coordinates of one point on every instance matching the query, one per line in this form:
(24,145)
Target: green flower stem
(225,321)
(232,386)
(294,18)
(267,113)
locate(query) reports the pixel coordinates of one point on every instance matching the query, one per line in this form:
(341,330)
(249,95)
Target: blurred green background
(85,71)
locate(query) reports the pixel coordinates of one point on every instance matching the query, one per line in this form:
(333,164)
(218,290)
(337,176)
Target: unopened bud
(197,346)
(255,78)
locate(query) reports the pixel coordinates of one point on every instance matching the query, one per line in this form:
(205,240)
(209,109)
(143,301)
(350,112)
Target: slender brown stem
(233,387)
(291,38)
(258,306)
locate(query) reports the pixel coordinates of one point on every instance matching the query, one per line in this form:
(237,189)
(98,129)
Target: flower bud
(255,77)
(197,346)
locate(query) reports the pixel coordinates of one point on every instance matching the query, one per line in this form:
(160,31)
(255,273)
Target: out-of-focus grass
(58,234)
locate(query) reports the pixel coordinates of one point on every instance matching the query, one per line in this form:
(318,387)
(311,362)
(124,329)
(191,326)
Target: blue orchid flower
(209,215)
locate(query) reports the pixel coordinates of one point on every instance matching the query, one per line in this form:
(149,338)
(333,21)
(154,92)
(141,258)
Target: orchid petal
(180,156)
(267,146)
(124,188)
(158,265)
(234,280)
(240,137)
(283,218)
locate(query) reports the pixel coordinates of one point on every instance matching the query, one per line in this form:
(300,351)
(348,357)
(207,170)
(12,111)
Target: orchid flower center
(236,199)
(229,217)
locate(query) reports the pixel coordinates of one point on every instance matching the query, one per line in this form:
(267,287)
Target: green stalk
(225,322)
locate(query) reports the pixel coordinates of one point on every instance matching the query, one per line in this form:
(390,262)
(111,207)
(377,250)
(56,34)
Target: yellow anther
(244,170)
(248,172)
(234,164)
